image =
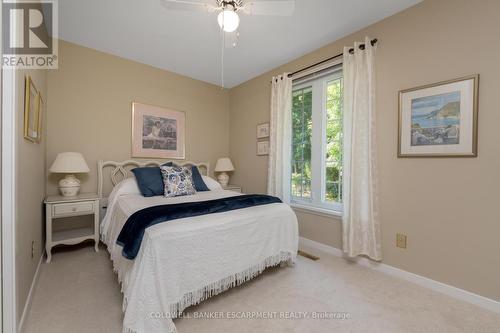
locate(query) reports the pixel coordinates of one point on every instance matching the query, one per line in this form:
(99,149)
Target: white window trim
(316,210)
(318,165)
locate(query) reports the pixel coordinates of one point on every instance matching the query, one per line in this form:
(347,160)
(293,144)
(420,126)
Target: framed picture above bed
(158,132)
(440,119)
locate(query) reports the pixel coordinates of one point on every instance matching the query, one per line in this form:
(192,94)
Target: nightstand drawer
(234,188)
(75,208)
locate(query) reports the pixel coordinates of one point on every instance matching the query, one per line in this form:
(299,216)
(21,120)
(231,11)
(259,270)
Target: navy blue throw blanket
(133,231)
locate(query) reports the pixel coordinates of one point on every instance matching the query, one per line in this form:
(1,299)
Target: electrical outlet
(32,249)
(401,241)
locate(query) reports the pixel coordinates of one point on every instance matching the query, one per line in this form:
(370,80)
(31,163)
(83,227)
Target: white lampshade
(69,162)
(228,20)
(224,164)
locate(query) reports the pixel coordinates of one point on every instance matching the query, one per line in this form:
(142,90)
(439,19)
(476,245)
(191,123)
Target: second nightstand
(234,188)
(58,206)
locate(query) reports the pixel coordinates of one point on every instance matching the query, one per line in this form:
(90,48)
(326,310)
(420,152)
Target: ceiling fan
(228,17)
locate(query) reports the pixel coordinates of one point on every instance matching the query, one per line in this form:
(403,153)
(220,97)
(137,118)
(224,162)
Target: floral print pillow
(177,181)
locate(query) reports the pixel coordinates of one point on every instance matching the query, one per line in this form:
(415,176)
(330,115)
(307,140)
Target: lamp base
(223,179)
(69,186)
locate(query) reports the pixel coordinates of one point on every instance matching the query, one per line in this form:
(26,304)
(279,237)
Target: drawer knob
(74,209)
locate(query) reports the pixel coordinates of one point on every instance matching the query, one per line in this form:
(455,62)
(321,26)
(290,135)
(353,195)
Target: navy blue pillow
(149,180)
(199,184)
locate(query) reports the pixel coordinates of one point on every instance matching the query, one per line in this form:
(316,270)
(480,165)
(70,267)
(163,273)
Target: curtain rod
(351,50)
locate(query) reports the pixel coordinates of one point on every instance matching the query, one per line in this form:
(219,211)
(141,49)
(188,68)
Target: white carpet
(78,292)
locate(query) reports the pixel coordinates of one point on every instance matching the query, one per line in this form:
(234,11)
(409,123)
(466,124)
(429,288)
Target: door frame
(8,102)
(8,200)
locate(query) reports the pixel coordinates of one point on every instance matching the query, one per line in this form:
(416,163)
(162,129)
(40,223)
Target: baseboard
(27,305)
(464,295)
(320,246)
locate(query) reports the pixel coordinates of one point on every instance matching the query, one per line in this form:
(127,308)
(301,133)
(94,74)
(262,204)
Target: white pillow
(126,186)
(211,183)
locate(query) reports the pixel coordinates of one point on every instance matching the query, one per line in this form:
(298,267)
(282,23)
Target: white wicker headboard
(121,170)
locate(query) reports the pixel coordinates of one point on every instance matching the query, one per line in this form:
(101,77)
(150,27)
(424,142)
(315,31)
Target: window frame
(317,201)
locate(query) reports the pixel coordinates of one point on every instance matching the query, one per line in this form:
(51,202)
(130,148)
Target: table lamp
(69,163)
(223,166)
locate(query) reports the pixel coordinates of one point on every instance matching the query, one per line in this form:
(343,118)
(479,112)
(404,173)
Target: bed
(185,261)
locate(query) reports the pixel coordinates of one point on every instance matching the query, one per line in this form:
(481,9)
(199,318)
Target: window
(316,170)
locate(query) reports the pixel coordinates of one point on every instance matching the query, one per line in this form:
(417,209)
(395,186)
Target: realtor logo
(29,34)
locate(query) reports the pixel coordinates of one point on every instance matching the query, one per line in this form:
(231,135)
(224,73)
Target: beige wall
(30,187)
(320,227)
(446,206)
(90,98)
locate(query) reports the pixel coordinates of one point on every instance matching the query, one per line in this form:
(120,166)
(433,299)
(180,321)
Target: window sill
(316,210)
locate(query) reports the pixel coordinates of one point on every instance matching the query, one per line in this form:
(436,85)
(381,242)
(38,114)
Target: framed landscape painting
(439,120)
(157,132)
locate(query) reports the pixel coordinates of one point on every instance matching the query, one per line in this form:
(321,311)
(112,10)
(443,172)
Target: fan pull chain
(222,53)
(222,60)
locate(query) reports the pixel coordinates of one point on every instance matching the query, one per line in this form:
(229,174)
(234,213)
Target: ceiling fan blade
(190,5)
(276,7)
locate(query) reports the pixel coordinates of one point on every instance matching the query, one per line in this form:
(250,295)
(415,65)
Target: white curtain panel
(361,225)
(280,138)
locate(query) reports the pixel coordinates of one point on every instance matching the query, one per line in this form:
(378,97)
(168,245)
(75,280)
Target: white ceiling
(189,43)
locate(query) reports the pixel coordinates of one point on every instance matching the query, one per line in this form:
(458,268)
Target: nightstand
(234,188)
(58,206)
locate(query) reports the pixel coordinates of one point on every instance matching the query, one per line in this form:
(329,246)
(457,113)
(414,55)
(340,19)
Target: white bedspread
(185,261)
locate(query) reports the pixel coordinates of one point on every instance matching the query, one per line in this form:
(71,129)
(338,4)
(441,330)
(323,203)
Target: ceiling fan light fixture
(228,20)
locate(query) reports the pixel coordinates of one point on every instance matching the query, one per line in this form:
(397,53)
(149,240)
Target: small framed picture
(32,115)
(263,130)
(440,119)
(262,148)
(40,117)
